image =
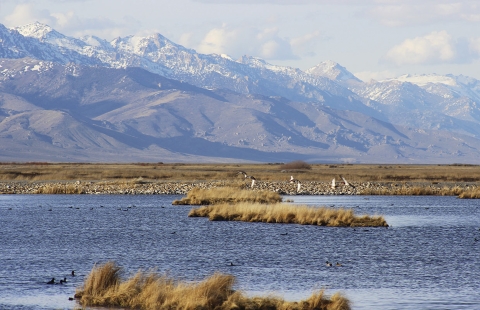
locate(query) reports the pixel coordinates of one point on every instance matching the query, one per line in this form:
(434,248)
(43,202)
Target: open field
(148,290)
(215,172)
(159,178)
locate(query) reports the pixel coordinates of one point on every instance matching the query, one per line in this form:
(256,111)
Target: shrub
(296,165)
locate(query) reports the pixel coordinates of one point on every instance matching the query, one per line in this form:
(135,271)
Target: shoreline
(316,188)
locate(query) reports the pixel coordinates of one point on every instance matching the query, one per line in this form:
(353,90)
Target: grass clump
(473,193)
(296,165)
(148,290)
(218,195)
(287,214)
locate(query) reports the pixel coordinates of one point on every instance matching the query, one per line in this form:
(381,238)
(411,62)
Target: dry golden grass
(157,172)
(218,195)
(473,193)
(104,287)
(288,214)
(59,189)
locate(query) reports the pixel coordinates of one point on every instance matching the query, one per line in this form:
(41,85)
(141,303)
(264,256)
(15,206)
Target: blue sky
(371,38)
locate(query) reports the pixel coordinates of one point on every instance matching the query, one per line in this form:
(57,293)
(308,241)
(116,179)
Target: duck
(338,264)
(51,281)
(73,273)
(328,264)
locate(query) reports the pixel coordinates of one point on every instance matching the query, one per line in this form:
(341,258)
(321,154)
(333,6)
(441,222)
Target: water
(427,259)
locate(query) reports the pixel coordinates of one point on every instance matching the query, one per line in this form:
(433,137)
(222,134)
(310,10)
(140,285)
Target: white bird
(253,180)
(243,172)
(333,184)
(346,183)
(293,180)
(248,177)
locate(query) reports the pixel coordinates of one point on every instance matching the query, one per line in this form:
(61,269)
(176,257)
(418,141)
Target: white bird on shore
(253,180)
(293,180)
(248,177)
(346,183)
(333,184)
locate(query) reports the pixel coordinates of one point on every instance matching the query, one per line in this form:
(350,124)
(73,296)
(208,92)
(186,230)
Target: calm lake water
(427,259)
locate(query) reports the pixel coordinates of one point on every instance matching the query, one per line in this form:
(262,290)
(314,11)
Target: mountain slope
(70,112)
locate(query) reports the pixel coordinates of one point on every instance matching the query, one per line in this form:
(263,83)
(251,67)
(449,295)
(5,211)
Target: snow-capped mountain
(279,113)
(333,71)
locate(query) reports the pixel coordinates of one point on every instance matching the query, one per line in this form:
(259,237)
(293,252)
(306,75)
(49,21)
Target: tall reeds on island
(148,290)
(290,214)
(218,195)
(473,193)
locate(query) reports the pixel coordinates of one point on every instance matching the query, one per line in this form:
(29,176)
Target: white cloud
(68,22)
(437,47)
(239,41)
(25,14)
(407,13)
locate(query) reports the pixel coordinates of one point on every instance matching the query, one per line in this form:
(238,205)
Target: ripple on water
(427,259)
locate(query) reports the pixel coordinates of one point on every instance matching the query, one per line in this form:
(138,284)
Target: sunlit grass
(218,195)
(287,214)
(473,193)
(148,290)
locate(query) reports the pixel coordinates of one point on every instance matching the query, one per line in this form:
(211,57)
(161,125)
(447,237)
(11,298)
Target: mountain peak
(36,30)
(331,70)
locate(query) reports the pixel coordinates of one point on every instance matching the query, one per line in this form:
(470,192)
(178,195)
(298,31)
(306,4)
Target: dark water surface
(427,259)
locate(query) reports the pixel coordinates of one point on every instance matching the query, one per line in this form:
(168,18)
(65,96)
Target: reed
(287,214)
(473,193)
(218,195)
(148,290)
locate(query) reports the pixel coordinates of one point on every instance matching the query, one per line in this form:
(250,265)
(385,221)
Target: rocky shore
(284,188)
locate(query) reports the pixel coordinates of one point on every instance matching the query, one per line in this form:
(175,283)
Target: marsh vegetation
(216,195)
(287,214)
(149,290)
(151,172)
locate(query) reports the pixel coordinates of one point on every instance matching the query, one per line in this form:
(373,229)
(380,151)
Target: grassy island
(104,287)
(216,195)
(288,214)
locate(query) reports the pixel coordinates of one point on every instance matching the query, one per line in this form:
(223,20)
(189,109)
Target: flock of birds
(295,181)
(64,280)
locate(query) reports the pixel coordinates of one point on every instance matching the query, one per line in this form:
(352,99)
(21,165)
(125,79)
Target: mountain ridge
(129,90)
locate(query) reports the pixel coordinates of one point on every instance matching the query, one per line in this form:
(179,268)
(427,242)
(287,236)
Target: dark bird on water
(51,281)
(73,273)
(328,264)
(284,234)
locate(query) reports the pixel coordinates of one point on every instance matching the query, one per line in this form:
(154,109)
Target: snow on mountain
(333,71)
(79,113)
(99,82)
